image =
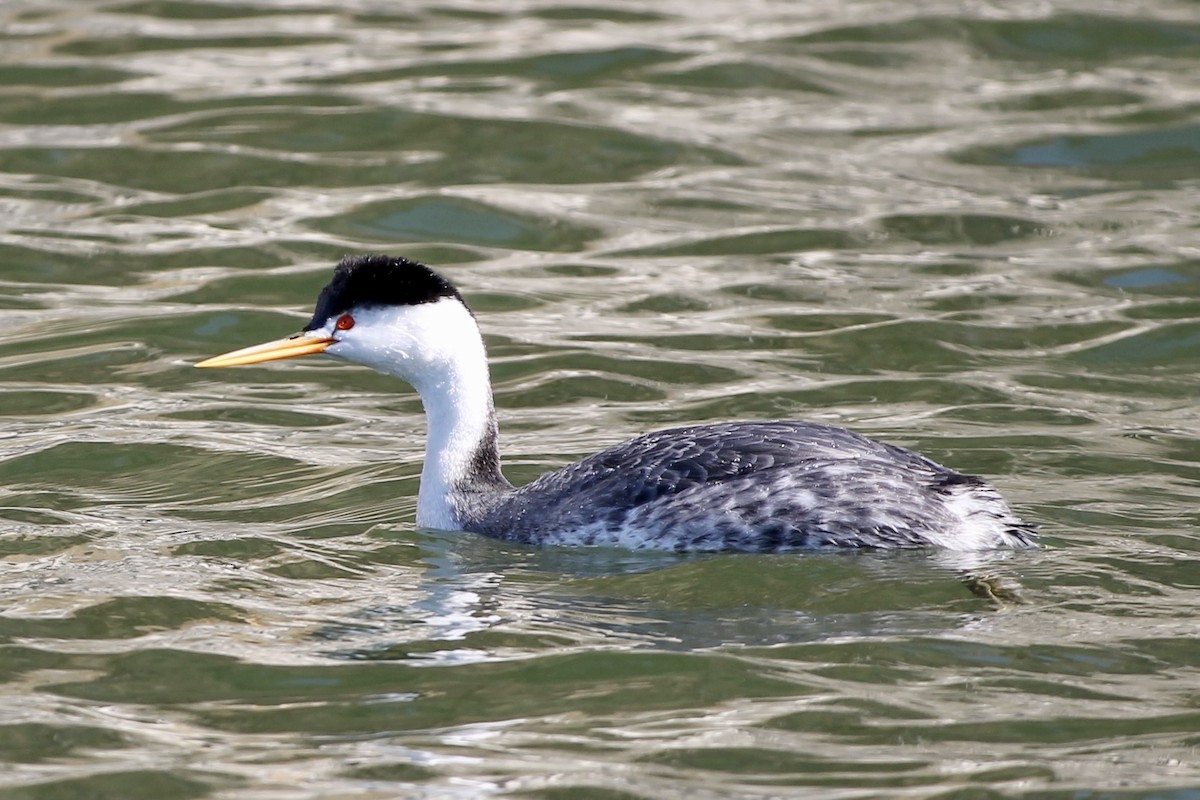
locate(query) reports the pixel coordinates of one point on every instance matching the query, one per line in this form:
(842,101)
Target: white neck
(438,349)
(458,407)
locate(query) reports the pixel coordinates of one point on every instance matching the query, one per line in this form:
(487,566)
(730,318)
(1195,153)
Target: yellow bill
(298,345)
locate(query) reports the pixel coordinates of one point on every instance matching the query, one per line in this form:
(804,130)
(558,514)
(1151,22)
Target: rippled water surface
(969,228)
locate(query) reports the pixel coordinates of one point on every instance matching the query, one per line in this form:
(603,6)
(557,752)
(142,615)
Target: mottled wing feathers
(671,461)
(760,486)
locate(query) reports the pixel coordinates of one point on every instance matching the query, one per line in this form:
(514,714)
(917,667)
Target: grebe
(751,486)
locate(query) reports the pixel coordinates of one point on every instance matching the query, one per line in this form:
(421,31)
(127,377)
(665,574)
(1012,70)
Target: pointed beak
(298,345)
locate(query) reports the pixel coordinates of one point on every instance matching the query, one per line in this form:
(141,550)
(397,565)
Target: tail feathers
(984,512)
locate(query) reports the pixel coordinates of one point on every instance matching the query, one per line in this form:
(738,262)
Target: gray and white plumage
(750,486)
(755,486)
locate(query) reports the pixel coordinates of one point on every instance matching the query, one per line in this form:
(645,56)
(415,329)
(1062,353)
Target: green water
(969,229)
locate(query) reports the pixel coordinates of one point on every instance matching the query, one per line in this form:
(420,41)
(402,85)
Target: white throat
(437,348)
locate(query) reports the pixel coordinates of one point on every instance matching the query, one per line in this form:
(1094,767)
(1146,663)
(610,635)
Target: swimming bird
(750,486)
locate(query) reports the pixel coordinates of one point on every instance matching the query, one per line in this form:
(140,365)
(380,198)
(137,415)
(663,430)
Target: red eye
(345,322)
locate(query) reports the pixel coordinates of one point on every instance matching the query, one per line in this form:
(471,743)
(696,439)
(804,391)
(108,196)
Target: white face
(419,343)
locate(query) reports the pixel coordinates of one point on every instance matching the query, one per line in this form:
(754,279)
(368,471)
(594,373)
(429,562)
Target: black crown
(379,280)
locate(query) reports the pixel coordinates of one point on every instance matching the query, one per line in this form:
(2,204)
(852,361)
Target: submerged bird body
(757,486)
(750,486)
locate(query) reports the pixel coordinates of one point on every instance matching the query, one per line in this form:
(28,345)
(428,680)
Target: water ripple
(968,230)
